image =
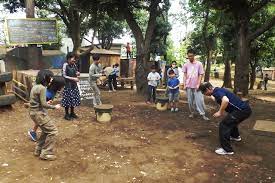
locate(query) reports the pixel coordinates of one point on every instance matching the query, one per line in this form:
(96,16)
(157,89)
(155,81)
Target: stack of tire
(5,98)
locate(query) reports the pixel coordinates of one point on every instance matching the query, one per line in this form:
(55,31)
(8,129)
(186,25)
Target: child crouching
(38,113)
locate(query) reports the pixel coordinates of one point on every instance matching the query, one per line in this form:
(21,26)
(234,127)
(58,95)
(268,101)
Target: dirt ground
(139,145)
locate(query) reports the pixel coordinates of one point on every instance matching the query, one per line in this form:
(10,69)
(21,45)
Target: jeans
(112,82)
(229,127)
(151,93)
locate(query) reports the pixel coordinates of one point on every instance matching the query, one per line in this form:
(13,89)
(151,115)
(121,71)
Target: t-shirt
(173,82)
(235,103)
(50,95)
(193,70)
(153,78)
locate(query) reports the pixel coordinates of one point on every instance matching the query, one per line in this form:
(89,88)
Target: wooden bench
(130,80)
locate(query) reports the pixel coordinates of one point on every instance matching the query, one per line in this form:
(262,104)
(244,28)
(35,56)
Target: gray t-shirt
(95,72)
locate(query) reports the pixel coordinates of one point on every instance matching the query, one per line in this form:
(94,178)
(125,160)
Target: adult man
(237,109)
(193,72)
(95,72)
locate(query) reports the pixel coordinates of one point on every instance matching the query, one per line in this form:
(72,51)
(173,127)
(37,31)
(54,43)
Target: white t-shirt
(153,79)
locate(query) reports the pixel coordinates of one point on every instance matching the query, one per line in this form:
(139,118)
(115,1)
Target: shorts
(174,97)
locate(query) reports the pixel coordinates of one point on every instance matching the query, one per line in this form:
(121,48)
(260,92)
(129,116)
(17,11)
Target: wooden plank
(265,128)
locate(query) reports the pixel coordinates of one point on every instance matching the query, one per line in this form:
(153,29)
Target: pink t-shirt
(193,71)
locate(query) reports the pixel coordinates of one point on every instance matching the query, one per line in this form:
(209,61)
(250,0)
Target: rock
(5,165)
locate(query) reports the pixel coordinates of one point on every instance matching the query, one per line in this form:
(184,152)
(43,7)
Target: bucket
(103,112)
(162,103)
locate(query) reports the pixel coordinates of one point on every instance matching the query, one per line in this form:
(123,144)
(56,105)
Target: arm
(65,74)
(223,106)
(199,81)
(43,101)
(93,74)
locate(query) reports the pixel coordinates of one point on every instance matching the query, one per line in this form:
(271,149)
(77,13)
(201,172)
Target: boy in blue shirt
(237,110)
(173,91)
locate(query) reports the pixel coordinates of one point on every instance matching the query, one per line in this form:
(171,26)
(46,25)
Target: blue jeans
(151,93)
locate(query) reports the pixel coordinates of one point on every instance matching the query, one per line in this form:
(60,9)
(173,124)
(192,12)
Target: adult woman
(71,96)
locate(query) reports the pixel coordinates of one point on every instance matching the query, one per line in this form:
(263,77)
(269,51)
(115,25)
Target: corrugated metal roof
(101,51)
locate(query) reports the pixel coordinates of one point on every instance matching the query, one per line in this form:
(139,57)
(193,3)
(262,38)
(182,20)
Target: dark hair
(174,62)
(191,51)
(153,67)
(57,83)
(204,86)
(44,77)
(171,72)
(116,64)
(96,57)
(71,55)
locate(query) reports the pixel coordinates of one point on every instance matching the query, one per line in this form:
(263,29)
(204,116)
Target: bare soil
(141,144)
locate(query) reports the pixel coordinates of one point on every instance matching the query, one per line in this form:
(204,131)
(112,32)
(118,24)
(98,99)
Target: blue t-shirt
(49,95)
(173,82)
(235,103)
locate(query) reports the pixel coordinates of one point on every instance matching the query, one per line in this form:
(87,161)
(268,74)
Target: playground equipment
(5,97)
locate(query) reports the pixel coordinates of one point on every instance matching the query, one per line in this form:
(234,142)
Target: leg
(190,98)
(115,82)
(96,91)
(154,94)
(73,115)
(235,132)
(199,101)
(67,115)
(110,82)
(149,92)
(50,131)
(225,128)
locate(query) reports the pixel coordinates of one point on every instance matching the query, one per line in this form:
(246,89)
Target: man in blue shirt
(173,91)
(237,110)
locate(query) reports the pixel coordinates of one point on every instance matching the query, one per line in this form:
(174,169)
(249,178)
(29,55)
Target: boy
(38,113)
(265,81)
(56,84)
(153,79)
(95,72)
(173,93)
(193,72)
(237,110)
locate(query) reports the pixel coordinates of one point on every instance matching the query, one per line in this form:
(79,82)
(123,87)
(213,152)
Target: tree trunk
(241,80)
(142,71)
(76,37)
(253,77)
(227,83)
(208,66)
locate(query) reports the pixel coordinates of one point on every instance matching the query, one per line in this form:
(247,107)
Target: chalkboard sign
(86,93)
(31,31)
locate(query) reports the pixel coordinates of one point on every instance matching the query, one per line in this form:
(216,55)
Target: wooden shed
(270,71)
(107,58)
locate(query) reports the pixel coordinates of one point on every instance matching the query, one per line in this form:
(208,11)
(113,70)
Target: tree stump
(162,103)
(104,112)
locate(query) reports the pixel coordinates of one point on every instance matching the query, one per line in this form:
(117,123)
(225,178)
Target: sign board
(86,93)
(31,31)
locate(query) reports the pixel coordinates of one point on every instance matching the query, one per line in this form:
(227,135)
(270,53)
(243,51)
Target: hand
(75,79)
(218,114)
(184,87)
(58,106)
(78,73)
(197,87)
(50,102)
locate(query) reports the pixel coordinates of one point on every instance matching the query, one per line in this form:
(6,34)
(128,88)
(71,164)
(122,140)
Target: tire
(5,77)
(7,100)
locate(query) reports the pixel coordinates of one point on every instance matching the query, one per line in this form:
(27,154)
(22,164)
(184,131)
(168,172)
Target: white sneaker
(238,139)
(205,118)
(191,115)
(110,91)
(177,109)
(172,109)
(221,151)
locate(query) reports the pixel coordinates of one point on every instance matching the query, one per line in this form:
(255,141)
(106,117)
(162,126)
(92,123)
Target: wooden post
(33,53)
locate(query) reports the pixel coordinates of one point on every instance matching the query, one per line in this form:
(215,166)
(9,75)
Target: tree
(242,11)
(144,35)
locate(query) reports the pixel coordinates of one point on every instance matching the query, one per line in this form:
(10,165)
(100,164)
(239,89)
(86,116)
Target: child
(265,81)
(38,113)
(153,79)
(71,95)
(95,72)
(173,91)
(237,110)
(112,82)
(56,84)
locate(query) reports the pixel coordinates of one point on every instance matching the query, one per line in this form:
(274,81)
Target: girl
(56,84)
(38,113)
(71,96)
